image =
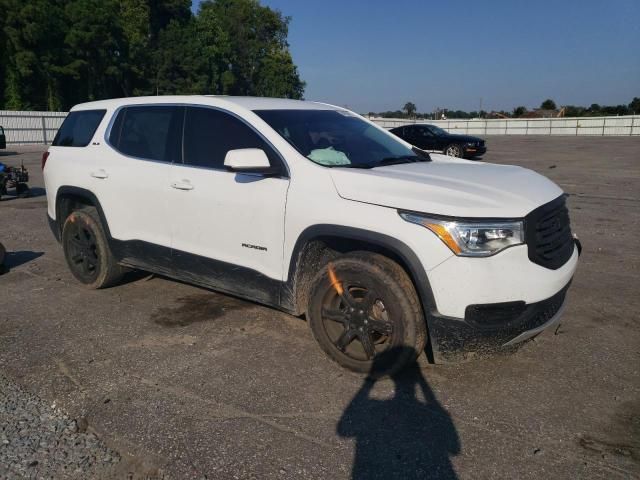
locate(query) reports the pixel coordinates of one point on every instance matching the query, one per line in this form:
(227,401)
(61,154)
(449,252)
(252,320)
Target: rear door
(409,135)
(131,179)
(227,228)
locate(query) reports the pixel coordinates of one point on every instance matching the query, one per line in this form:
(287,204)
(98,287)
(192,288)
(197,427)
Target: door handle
(183,185)
(99,174)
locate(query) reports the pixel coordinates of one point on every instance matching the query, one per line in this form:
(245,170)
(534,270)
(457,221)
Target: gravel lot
(158,379)
(39,441)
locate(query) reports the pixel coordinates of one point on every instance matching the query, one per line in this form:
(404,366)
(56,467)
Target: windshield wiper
(352,165)
(398,160)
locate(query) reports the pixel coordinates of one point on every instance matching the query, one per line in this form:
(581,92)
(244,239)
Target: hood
(450,187)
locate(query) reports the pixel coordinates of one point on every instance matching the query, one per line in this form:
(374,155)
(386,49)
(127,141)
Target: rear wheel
(363,305)
(87,251)
(454,150)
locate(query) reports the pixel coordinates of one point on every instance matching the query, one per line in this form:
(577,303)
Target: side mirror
(248,160)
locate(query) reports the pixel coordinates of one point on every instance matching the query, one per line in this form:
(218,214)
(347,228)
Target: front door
(427,139)
(227,228)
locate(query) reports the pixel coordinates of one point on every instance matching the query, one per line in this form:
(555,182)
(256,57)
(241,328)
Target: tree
(135,54)
(573,111)
(179,65)
(251,50)
(548,104)
(410,109)
(3,57)
(634,106)
(519,111)
(56,53)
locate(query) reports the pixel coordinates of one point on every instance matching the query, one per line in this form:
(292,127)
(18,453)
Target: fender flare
(79,193)
(416,272)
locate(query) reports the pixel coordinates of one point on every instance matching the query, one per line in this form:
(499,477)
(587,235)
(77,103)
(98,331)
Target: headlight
(472,144)
(472,239)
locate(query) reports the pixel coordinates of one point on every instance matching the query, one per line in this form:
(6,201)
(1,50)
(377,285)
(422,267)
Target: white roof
(250,103)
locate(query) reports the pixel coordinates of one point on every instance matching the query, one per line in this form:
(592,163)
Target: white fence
(31,127)
(41,127)
(622,126)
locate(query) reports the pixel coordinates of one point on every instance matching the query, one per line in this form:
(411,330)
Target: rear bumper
(55,228)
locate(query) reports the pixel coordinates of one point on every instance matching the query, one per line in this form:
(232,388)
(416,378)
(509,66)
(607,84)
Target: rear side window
(149,132)
(209,134)
(78,128)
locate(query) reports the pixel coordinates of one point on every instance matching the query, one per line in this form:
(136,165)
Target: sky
(376,55)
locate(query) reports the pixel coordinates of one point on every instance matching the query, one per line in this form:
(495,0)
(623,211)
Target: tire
(454,150)
(22,190)
(87,252)
(369,311)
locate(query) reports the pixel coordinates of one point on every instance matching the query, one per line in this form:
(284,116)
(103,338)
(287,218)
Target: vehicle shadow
(32,193)
(15,259)
(405,437)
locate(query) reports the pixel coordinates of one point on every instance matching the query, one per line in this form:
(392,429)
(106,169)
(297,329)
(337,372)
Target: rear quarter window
(78,128)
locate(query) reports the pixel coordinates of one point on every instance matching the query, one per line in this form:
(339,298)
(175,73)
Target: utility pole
(479,111)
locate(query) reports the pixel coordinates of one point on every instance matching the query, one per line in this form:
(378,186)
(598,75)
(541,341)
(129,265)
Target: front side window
(437,131)
(209,134)
(335,138)
(424,132)
(78,128)
(148,132)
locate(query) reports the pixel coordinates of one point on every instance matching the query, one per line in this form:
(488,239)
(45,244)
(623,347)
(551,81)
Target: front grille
(548,234)
(481,143)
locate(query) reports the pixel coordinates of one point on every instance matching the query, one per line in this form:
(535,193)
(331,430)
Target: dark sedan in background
(432,138)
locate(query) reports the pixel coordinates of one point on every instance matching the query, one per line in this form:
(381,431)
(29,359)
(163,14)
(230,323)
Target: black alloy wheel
(82,251)
(87,251)
(361,305)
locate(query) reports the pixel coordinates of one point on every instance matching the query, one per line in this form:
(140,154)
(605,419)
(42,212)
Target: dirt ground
(186,383)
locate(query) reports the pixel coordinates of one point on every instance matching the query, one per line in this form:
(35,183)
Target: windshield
(337,139)
(437,131)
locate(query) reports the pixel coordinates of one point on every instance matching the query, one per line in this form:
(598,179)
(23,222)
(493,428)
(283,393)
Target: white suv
(314,210)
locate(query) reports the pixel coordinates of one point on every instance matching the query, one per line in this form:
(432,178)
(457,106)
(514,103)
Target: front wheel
(363,305)
(454,150)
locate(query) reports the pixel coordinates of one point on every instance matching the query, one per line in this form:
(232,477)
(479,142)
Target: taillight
(45,155)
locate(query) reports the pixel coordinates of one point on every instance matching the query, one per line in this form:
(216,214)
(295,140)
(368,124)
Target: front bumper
(489,328)
(495,304)
(474,151)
